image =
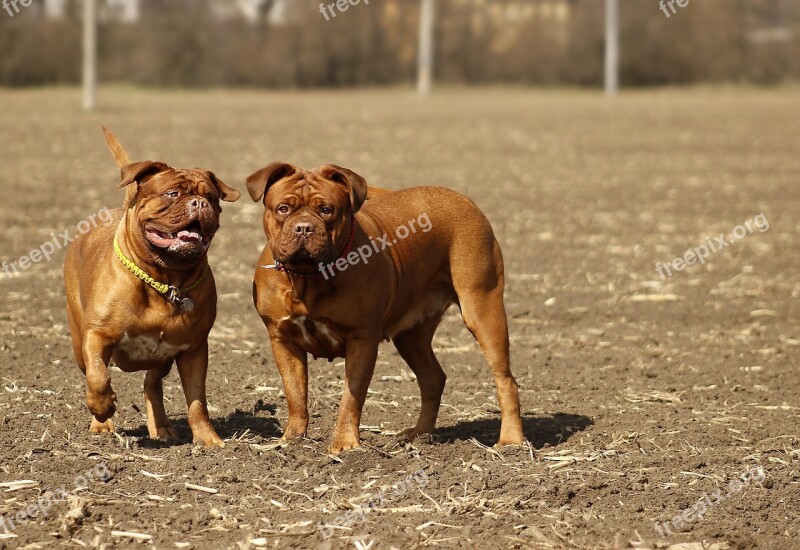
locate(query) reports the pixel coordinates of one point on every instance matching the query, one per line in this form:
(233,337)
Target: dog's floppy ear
(356,185)
(137,171)
(258,183)
(226,193)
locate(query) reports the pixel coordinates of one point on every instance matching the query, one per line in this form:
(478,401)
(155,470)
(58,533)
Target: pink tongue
(188,236)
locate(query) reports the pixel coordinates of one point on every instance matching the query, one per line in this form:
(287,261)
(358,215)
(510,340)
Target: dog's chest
(319,338)
(148,347)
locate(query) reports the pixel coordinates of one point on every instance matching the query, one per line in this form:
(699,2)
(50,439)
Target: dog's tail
(117,150)
(122,159)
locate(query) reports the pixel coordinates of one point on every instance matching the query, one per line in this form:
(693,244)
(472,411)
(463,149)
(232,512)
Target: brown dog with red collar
(339,275)
(140,292)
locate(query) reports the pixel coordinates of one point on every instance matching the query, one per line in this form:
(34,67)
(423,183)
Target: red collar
(279,266)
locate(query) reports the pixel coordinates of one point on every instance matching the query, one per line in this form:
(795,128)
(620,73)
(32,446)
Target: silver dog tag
(187,304)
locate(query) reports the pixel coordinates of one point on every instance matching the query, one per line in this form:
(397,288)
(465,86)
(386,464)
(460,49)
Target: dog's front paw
(103,405)
(165,431)
(294,432)
(410,434)
(296,428)
(510,433)
(286,438)
(98,427)
(207,438)
(345,442)
(510,441)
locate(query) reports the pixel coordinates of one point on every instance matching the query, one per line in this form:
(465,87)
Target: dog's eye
(327,210)
(172,194)
(283,209)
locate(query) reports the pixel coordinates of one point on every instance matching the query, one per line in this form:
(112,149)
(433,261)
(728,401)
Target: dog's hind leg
(479,287)
(415,348)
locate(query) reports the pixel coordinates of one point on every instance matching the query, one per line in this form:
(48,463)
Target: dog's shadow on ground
(237,422)
(541,431)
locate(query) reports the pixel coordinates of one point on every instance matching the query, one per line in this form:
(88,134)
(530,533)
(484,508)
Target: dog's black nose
(198,202)
(303,229)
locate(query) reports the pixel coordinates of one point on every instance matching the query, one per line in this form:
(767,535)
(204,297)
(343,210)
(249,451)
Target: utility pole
(426,47)
(612,47)
(89,54)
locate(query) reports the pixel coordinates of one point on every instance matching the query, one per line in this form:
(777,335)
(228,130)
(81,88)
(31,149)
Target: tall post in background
(612,47)
(89,54)
(426,30)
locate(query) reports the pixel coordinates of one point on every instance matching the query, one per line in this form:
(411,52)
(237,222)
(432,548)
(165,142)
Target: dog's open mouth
(189,237)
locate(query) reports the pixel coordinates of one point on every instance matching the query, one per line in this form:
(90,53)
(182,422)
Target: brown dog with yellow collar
(140,292)
(341,273)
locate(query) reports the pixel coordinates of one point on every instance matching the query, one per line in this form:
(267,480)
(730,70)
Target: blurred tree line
(545,42)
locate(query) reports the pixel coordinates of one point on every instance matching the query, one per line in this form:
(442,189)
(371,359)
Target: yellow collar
(171,293)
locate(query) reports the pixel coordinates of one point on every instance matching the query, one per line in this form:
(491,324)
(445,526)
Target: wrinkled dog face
(307,213)
(177,210)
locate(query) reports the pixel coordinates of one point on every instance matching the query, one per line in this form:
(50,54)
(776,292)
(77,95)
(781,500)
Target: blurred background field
(290,44)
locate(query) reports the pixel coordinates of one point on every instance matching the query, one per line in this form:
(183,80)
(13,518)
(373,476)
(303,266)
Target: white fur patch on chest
(316,337)
(148,348)
(300,322)
(323,334)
